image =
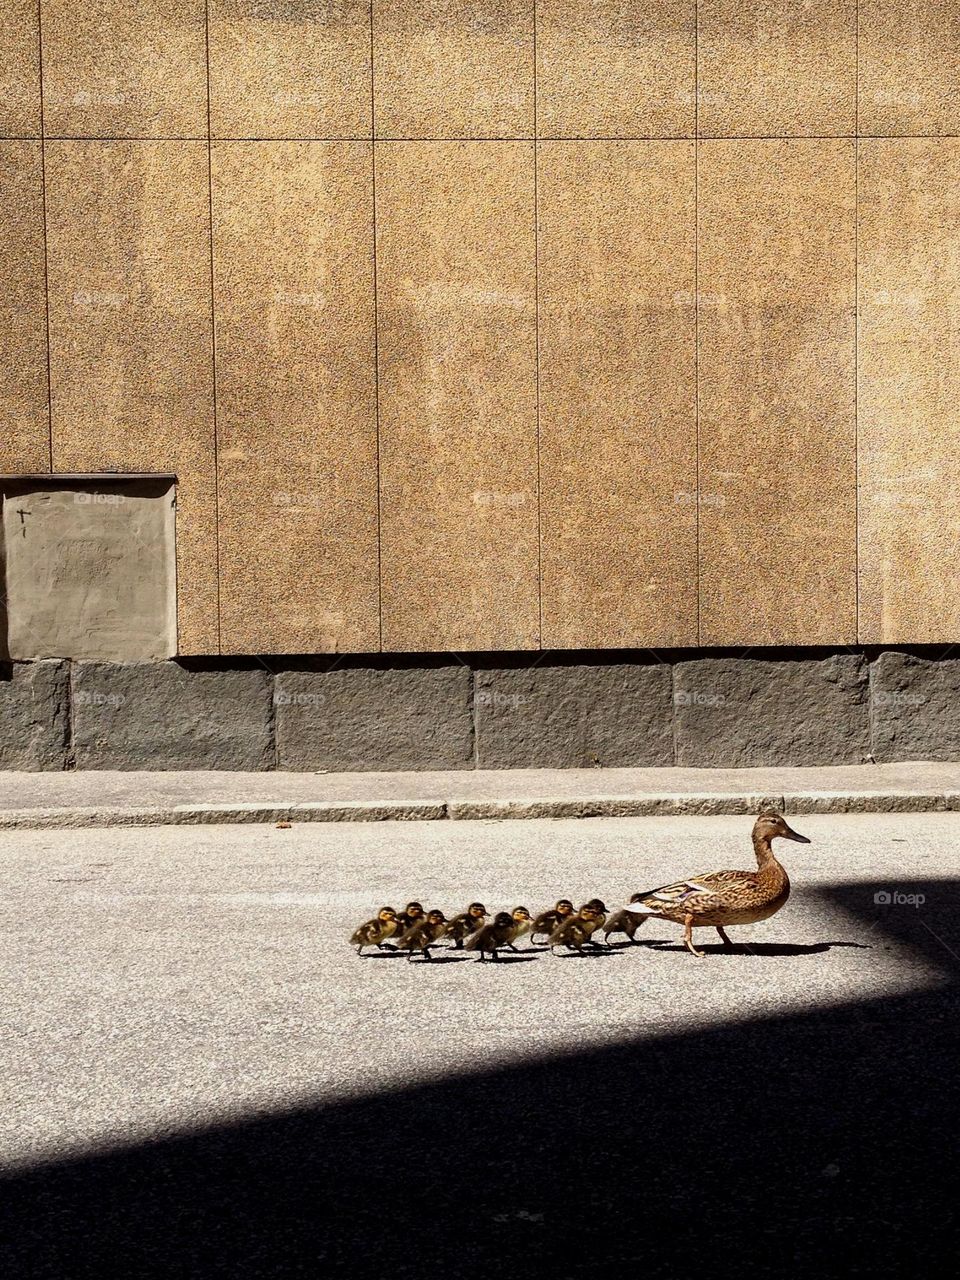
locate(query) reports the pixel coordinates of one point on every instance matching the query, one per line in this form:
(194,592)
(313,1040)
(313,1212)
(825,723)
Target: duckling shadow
(509,958)
(608,953)
(454,959)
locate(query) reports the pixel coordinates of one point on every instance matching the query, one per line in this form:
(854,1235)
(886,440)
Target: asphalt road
(202,1078)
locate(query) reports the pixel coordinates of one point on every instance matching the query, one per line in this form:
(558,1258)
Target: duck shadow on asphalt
(819,1144)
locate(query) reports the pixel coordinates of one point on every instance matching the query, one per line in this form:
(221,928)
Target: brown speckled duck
(726,897)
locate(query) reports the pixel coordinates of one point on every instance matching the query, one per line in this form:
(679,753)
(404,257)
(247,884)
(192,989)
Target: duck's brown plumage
(721,898)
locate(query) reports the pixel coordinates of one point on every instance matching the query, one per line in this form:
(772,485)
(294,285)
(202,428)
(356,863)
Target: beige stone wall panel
(458,431)
(130,336)
(293,235)
(777,392)
(618,393)
(609,69)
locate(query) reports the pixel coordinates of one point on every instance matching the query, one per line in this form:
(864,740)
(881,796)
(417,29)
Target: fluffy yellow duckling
(547,921)
(421,936)
(375,932)
(576,931)
(492,937)
(465,923)
(411,914)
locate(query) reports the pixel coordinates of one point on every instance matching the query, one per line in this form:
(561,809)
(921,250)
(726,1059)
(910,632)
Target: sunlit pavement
(163,979)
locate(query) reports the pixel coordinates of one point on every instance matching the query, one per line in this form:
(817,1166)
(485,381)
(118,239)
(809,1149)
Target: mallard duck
(421,936)
(411,914)
(465,923)
(376,931)
(547,921)
(726,897)
(623,921)
(500,933)
(524,921)
(575,931)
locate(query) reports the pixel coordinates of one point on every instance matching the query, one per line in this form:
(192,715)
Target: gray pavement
(171,981)
(115,798)
(162,977)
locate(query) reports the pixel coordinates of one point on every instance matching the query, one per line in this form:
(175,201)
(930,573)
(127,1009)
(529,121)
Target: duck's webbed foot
(688,938)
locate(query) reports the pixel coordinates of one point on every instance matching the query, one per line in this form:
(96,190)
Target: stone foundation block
(368,718)
(915,707)
(744,712)
(159,715)
(569,716)
(34,715)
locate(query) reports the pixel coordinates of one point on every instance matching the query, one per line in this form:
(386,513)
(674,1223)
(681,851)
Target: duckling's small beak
(795,835)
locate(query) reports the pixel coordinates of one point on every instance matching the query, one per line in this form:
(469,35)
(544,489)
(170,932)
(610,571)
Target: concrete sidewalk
(102,799)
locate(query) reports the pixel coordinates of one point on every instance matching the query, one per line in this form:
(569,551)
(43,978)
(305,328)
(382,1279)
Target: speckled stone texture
(449,69)
(162,716)
(296,408)
(34,717)
(618,433)
(777,499)
(458,395)
(19,69)
(124,69)
(24,415)
(740,712)
(777,67)
(290,68)
(915,707)
(909,446)
(366,718)
(128,249)
(568,716)
(909,67)
(606,69)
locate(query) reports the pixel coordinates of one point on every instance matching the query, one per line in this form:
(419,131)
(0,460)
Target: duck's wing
(479,940)
(361,935)
(701,893)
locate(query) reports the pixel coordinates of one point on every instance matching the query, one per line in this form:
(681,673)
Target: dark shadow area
(819,1144)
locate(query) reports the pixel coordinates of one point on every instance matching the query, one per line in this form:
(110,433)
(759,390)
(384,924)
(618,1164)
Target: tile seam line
(587,137)
(376,328)
(213,334)
(46,247)
(536,321)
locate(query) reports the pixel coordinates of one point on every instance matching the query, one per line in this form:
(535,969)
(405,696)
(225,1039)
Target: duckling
(726,897)
(547,921)
(524,922)
(411,914)
(577,930)
(623,921)
(376,931)
(422,936)
(465,923)
(492,937)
